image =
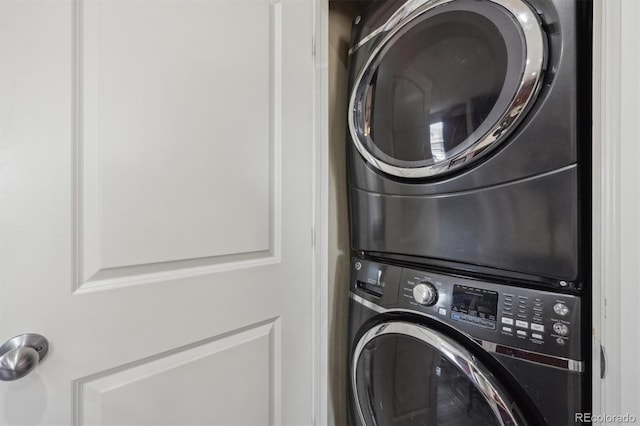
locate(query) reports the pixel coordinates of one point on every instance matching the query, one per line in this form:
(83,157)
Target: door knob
(21,354)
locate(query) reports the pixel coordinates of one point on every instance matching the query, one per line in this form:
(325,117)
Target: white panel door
(156,210)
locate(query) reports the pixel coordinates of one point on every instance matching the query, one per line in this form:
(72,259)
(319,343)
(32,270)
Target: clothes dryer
(466,135)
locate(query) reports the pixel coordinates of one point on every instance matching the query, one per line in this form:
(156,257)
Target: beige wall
(341,15)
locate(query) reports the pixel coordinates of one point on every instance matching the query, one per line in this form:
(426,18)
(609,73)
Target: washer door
(406,374)
(445,84)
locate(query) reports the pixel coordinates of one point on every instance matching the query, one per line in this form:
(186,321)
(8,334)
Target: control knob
(561,329)
(425,294)
(561,309)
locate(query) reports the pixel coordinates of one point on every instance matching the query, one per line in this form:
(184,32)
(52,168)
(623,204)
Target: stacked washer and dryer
(469,124)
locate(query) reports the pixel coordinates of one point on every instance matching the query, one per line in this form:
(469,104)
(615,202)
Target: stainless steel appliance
(428,348)
(467,130)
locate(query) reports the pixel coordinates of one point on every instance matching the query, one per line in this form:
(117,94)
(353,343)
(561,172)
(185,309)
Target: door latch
(603,362)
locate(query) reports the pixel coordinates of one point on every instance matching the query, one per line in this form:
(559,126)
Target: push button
(537,327)
(561,309)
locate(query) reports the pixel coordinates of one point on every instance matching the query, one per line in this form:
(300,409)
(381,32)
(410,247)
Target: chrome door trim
(368,38)
(499,401)
(572,364)
(535,53)
(376,308)
(399,15)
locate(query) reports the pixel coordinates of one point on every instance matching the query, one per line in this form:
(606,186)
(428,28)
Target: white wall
(630,208)
(617,204)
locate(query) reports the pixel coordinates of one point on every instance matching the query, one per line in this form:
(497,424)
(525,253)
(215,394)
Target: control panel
(541,317)
(523,318)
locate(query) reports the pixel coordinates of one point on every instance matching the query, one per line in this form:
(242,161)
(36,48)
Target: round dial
(561,309)
(561,329)
(425,294)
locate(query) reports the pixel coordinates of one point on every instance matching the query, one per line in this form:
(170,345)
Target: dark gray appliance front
(402,373)
(514,207)
(530,226)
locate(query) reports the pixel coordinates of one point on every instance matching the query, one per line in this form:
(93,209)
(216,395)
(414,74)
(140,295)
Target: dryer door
(445,83)
(406,374)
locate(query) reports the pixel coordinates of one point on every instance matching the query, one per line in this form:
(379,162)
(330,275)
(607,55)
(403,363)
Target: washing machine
(469,136)
(434,349)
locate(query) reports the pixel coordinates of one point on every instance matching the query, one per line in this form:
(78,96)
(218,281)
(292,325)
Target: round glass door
(406,374)
(445,84)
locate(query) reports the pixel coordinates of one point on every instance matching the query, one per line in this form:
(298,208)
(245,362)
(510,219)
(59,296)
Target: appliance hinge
(313,47)
(603,362)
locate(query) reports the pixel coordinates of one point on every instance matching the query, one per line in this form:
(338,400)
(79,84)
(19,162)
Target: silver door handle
(21,354)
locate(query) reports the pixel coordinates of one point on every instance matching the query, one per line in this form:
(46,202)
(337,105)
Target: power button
(560,309)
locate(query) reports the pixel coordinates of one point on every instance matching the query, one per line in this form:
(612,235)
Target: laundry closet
(468,152)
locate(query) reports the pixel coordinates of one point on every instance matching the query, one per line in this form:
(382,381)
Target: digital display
(475,302)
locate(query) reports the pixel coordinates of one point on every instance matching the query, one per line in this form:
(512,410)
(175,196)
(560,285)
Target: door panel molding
(244,362)
(107,187)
